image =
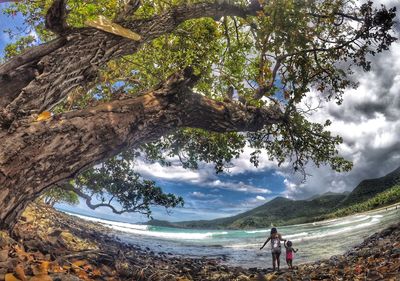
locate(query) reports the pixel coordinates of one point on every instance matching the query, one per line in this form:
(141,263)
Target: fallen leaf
(44,267)
(105,24)
(41,278)
(11,277)
(20,272)
(79,263)
(40,269)
(43,116)
(96,272)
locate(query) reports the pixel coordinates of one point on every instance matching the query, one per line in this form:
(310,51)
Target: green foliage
(115,185)
(279,211)
(277,57)
(19,47)
(193,146)
(282,211)
(59,195)
(383,199)
(371,194)
(371,187)
(301,141)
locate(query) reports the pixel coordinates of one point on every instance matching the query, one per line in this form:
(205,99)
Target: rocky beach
(50,245)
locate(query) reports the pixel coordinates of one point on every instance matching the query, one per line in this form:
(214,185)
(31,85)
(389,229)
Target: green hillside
(371,187)
(385,198)
(277,212)
(368,194)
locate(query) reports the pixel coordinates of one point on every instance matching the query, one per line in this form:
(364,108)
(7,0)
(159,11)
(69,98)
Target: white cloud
(173,172)
(204,177)
(240,186)
(252,203)
(369,122)
(203,196)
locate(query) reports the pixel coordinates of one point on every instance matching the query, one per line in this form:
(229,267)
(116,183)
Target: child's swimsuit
(289,255)
(275,245)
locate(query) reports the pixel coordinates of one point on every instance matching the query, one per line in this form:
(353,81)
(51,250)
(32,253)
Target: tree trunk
(37,155)
(50,71)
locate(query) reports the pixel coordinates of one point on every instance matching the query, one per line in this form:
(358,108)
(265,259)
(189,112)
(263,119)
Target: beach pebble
(3,255)
(65,277)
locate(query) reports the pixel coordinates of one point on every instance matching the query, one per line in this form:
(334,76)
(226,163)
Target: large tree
(195,79)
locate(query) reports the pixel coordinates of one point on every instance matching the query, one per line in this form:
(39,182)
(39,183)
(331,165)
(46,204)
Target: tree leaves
(114,184)
(279,56)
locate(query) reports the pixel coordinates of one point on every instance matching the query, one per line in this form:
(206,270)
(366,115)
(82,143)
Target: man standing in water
(276,239)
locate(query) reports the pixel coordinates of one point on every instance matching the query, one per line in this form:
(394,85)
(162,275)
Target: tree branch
(88,199)
(56,17)
(128,10)
(64,145)
(168,21)
(88,49)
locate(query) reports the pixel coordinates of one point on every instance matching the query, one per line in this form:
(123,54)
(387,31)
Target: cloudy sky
(368,120)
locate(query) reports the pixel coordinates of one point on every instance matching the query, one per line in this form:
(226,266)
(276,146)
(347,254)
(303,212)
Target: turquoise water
(241,247)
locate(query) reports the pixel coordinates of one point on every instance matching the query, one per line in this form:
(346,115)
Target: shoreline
(386,208)
(279,225)
(65,248)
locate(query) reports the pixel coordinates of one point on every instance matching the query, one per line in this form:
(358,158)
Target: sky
(368,120)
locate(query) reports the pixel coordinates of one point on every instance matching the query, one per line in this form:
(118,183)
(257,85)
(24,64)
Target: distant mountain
(277,212)
(327,193)
(280,211)
(371,187)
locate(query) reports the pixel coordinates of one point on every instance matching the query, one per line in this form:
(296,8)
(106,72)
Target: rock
(374,275)
(3,255)
(27,217)
(9,264)
(65,277)
(242,278)
(396,252)
(253,269)
(41,278)
(4,239)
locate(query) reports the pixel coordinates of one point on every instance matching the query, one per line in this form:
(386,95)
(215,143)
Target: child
(275,239)
(289,253)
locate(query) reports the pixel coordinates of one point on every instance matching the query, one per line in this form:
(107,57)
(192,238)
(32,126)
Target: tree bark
(38,155)
(54,69)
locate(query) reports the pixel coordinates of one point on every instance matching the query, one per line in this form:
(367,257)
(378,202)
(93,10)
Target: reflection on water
(241,247)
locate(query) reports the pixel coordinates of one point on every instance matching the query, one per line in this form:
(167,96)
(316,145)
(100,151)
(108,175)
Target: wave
(355,219)
(342,226)
(302,234)
(257,231)
(350,221)
(171,235)
(145,230)
(112,223)
(237,246)
(374,220)
(252,245)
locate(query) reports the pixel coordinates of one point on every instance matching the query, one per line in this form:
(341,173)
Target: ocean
(314,241)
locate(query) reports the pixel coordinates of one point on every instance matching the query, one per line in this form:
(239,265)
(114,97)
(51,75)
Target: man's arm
(265,243)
